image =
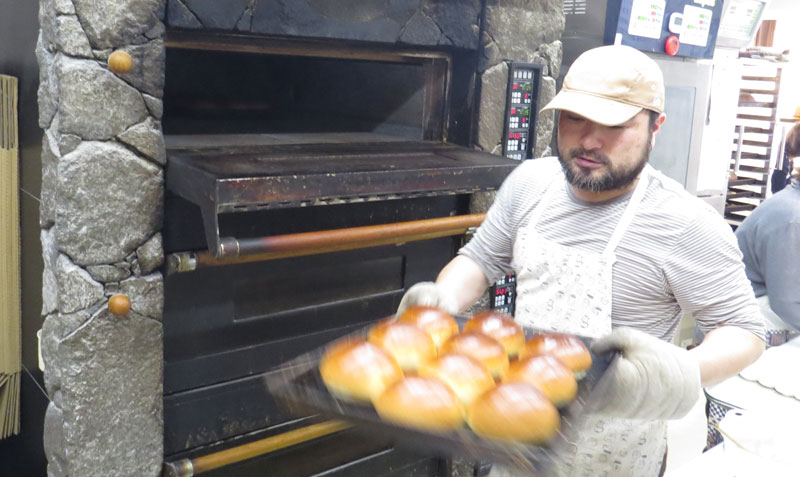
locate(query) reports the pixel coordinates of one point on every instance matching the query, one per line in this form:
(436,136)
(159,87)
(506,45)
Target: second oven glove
(649,379)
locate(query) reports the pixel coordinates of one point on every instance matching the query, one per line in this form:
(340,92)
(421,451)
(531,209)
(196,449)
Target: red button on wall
(671,45)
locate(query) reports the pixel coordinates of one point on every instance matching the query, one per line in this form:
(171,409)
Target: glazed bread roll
(499,326)
(468,377)
(424,403)
(547,373)
(408,344)
(484,348)
(438,324)
(358,370)
(516,412)
(569,349)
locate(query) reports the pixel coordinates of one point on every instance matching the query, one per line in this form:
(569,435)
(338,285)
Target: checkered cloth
(715,410)
(778,337)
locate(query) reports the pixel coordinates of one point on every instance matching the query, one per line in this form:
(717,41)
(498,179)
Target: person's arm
(488,254)
(724,352)
(463,280)
(654,379)
(706,275)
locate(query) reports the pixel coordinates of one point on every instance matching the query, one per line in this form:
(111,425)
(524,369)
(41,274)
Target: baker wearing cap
(605,246)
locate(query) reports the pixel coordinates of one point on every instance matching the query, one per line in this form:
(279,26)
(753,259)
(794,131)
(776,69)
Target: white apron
(568,290)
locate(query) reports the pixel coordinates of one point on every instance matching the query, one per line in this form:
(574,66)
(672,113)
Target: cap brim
(594,108)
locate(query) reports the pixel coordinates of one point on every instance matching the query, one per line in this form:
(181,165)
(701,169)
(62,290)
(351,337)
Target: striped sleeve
(492,246)
(705,272)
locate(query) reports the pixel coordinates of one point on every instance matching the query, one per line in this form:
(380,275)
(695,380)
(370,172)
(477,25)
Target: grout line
(36,382)
(28,193)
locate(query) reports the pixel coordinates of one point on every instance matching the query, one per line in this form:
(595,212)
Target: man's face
(603,158)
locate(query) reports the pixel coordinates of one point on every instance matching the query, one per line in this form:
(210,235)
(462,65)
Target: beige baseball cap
(610,85)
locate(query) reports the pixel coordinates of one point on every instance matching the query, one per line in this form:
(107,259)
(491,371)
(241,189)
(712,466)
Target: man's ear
(656,127)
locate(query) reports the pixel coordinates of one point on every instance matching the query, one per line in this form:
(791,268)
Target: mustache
(579,151)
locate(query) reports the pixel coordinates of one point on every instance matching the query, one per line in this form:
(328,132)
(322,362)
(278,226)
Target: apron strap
(630,211)
(624,221)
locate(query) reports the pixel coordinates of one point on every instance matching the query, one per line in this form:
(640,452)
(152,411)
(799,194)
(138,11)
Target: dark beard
(611,180)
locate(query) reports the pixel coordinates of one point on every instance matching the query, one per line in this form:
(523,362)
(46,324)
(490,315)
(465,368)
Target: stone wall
(517,30)
(412,22)
(100,214)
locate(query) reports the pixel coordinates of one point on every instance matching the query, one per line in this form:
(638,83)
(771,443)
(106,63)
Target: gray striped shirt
(678,255)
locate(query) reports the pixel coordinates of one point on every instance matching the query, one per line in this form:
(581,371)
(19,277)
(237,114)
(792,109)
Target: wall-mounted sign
(647,18)
(696,25)
(647,24)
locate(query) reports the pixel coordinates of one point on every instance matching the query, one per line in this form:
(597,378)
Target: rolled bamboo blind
(10,312)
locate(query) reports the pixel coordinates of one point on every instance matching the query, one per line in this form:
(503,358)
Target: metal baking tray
(297,384)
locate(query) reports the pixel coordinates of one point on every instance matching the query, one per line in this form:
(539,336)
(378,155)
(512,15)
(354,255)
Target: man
(600,241)
(770,242)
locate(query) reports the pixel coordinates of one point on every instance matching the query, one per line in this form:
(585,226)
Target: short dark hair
(793,141)
(653,116)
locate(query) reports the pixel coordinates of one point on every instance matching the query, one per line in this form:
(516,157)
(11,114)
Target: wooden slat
(738,207)
(756,118)
(760,170)
(740,194)
(10,293)
(766,144)
(757,104)
(741,182)
(758,91)
(770,79)
(752,156)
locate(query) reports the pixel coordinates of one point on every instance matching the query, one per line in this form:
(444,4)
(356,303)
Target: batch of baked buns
(420,370)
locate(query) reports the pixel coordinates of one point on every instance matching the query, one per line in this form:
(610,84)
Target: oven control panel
(522,106)
(502,294)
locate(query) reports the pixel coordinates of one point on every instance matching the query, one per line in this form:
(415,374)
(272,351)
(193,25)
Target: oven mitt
(649,379)
(427,294)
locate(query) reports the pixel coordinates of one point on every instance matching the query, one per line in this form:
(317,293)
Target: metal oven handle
(199,465)
(234,251)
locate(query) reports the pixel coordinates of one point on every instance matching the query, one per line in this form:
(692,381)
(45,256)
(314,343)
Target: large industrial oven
(309,184)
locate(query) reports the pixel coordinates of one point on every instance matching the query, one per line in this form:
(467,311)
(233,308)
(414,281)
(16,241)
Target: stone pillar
(514,30)
(101,212)
(517,30)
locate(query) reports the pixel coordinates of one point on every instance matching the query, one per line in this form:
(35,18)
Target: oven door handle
(234,251)
(202,464)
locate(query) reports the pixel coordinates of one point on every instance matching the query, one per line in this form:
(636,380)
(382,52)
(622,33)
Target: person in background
(604,246)
(770,242)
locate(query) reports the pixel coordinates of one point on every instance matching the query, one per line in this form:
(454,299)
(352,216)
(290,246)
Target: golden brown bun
(484,348)
(499,326)
(468,377)
(438,324)
(356,369)
(408,344)
(547,373)
(569,349)
(514,411)
(424,403)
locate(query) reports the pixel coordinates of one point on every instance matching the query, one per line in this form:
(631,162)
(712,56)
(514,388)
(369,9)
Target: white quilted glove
(650,379)
(427,294)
